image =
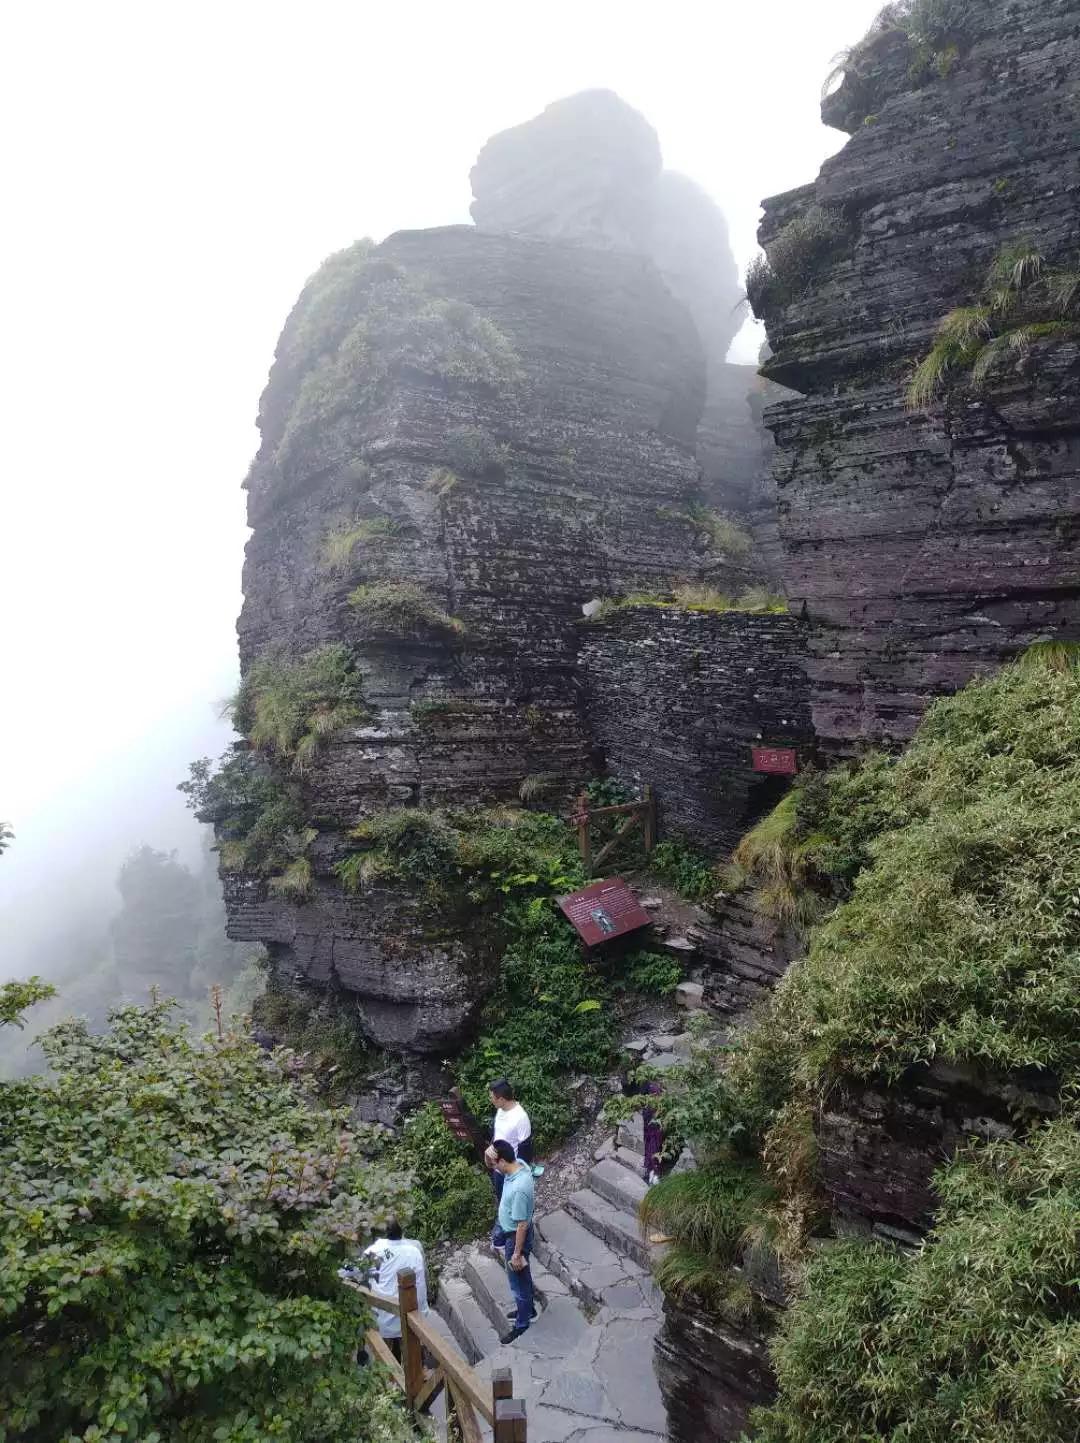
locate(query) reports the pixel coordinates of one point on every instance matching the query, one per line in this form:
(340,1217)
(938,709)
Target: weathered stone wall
(678,698)
(929,545)
(711,1372)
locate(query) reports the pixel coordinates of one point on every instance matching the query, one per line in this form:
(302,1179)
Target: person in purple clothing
(654,1133)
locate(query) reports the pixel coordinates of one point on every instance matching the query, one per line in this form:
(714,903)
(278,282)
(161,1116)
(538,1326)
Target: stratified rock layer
(679,699)
(930,545)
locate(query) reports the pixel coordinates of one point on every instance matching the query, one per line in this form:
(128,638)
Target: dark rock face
(581,488)
(930,545)
(879,1146)
(711,1373)
(679,698)
(750,952)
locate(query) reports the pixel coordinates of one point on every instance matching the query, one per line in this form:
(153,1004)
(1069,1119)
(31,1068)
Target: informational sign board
(778,761)
(454,1113)
(603,911)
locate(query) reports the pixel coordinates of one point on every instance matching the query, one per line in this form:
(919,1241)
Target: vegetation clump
(793,259)
(288,705)
(725,535)
(693,596)
(341,542)
(1024,300)
(685,871)
(961,937)
(472,451)
(973,1335)
(402,609)
(363,318)
(172,1217)
(256,815)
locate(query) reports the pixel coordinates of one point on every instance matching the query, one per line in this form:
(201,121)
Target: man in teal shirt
(516,1225)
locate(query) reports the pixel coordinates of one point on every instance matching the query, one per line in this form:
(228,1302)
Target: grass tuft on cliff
(339,544)
(1023,301)
(288,705)
(402,610)
(793,259)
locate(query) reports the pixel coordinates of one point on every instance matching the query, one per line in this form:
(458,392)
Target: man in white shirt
(511,1125)
(392,1255)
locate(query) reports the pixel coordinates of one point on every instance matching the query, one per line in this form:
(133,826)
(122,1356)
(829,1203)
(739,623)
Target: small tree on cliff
(172,1216)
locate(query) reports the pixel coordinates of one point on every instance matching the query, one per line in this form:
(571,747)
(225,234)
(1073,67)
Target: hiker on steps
(515,1227)
(511,1125)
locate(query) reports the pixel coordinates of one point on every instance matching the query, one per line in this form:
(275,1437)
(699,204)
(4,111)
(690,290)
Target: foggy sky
(172,175)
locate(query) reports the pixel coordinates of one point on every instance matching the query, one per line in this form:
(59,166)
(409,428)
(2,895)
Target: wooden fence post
(650,819)
(584,842)
(412,1360)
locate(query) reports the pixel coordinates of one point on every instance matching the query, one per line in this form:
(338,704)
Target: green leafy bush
(288,705)
(974,1336)
(684,870)
(403,610)
(257,817)
(1024,300)
(17,997)
(172,1218)
(452,1196)
(653,972)
(546,1018)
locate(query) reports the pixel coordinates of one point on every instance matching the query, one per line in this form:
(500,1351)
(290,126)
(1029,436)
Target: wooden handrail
(466,1393)
(386,1305)
(454,1366)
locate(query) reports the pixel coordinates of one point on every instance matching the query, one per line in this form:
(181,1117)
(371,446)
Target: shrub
(685,871)
(794,258)
(256,816)
(332,1050)
(295,881)
(453,1200)
(287,705)
(962,937)
(547,1017)
(402,609)
(654,972)
(160,1280)
(1023,301)
(972,1336)
(340,543)
(472,451)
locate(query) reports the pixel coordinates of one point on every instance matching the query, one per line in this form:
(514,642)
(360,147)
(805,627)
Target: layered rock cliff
(928,544)
(468,434)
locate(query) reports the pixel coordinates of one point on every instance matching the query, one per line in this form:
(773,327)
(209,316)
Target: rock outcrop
(929,544)
(468,434)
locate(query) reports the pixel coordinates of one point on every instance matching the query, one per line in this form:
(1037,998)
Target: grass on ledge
(401,609)
(694,596)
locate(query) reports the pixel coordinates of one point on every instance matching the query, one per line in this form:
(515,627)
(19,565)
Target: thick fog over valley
(173,175)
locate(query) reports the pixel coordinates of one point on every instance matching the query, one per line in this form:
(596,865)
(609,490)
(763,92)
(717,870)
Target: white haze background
(172,174)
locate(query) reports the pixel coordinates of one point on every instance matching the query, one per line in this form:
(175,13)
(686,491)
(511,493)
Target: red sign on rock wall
(777,761)
(603,911)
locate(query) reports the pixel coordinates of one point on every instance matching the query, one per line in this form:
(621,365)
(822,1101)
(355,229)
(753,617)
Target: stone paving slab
(616,1227)
(617,1184)
(584,1262)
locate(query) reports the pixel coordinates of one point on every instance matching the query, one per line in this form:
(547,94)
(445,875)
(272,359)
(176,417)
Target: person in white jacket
(389,1256)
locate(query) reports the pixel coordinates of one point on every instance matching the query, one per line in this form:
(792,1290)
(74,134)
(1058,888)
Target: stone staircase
(585,1366)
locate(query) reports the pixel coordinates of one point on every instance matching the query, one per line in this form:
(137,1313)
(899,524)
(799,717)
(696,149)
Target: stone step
(631,1134)
(470,1326)
(593,1272)
(486,1276)
(614,1226)
(617,1184)
(635,1161)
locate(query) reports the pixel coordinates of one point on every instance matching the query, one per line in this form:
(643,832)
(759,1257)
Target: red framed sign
(777,761)
(603,911)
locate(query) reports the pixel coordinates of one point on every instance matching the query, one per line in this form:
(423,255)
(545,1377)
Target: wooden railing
(643,811)
(466,1394)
